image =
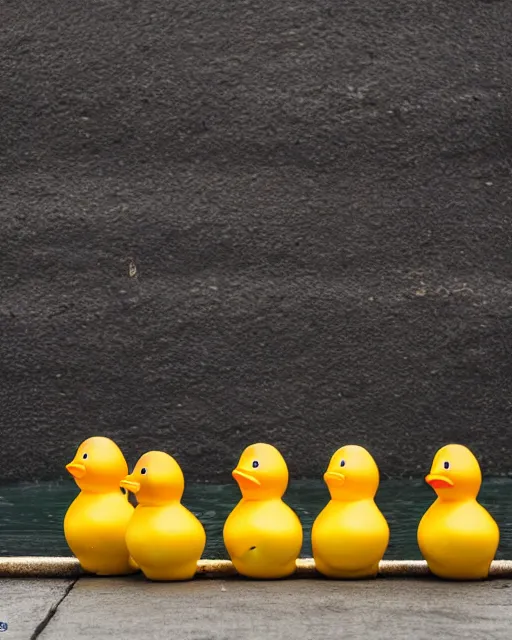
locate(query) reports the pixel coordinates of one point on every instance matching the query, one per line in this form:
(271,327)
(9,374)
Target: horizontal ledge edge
(69,567)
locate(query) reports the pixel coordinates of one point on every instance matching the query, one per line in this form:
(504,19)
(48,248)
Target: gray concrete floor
(25,604)
(214,609)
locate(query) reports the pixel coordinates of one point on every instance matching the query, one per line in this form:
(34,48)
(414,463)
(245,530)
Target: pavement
(236,609)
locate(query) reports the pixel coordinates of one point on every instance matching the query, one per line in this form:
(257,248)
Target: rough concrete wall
(225,222)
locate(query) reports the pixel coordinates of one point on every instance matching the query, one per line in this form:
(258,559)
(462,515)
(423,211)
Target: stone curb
(63,567)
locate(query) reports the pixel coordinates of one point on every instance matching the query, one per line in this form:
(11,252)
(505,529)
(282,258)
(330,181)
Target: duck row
(263,535)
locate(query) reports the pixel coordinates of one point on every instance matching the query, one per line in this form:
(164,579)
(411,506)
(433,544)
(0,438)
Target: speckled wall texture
(231,221)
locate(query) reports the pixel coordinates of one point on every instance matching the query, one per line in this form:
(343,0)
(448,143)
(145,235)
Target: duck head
(157,479)
(98,465)
(261,472)
(352,474)
(455,473)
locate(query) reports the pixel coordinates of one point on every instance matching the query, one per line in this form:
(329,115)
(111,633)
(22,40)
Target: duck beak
(76,469)
(130,484)
(335,477)
(438,481)
(244,478)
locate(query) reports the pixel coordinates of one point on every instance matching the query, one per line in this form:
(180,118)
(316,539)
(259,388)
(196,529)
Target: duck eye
(143,471)
(85,456)
(342,463)
(255,464)
(446,465)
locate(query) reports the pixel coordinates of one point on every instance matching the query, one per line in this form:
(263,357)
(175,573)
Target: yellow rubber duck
(262,535)
(350,535)
(95,523)
(457,537)
(164,538)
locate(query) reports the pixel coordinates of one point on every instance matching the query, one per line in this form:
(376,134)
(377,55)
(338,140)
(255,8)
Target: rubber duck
(262,535)
(350,535)
(457,537)
(164,538)
(95,523)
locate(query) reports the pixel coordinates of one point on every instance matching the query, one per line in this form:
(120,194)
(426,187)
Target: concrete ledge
(39,567)
(63,567)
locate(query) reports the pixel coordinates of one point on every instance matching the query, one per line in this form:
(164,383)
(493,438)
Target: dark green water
(31,515)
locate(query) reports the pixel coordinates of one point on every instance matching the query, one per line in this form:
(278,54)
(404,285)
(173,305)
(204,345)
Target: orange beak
(335,476)
(438,482)
(244,478)
(76,469)
(130,484)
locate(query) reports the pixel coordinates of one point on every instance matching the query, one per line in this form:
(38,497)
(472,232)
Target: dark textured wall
(225,222)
